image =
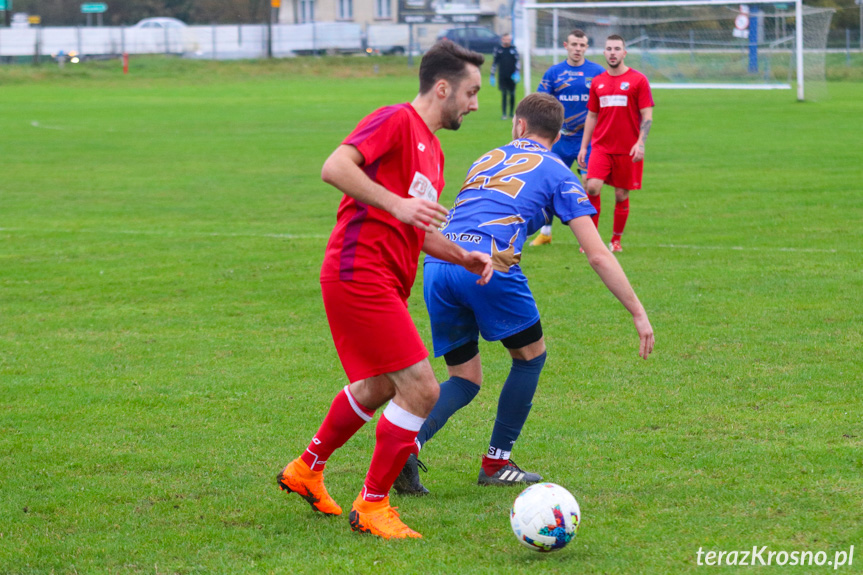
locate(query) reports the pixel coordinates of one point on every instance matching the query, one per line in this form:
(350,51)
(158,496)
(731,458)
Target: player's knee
(537,362)
(463,362)
(373,392)
(461,354)
(527,344)
(430,394)
(425,397)
(418,397)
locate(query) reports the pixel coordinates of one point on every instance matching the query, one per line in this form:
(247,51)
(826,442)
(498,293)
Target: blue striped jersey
(571,86)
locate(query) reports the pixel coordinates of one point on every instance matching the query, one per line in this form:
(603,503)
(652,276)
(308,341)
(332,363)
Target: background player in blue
(569,82)
(508,193)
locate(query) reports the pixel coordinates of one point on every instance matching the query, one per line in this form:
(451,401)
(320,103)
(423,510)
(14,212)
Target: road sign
(94,8)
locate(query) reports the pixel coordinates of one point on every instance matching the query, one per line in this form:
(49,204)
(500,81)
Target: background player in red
(390,169)
(620,113)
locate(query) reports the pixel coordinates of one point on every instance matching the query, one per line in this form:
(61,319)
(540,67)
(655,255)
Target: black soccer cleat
(509,474)
(408,482)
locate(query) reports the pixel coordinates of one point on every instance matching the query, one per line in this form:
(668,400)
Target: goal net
(690,43)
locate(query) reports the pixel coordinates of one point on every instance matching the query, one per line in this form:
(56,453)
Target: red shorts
(372,329)
(616,170)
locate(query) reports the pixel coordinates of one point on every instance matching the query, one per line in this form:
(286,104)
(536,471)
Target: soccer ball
(545,517)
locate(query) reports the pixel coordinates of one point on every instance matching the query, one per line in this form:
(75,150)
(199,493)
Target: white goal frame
(798,32)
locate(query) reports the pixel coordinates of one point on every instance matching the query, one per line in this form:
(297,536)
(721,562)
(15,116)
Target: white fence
(217,42)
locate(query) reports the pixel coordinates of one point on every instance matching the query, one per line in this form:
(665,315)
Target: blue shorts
(460,309)
(567,147)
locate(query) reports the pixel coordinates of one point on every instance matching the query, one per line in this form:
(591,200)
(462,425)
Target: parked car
(387,38)
(161,22)
(476,38)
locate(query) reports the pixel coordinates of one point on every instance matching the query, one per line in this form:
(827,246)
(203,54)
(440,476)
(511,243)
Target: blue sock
(455,393)
(516,399)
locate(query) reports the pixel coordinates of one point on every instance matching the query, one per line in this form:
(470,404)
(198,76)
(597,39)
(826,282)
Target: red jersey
(368,244)
(618,100)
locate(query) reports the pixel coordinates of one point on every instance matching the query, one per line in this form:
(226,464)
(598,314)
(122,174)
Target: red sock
(621,212)
(395,436)
(596,203)
(492,466)
(345,417)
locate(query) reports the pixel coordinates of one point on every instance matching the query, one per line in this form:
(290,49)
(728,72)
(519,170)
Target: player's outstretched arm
(437,245)
(589,125)
(608,269)
(342,170)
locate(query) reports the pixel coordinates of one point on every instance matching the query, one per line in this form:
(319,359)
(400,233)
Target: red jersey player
(390,169)
(620,113)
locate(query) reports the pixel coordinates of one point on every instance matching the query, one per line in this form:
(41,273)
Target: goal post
(708,44)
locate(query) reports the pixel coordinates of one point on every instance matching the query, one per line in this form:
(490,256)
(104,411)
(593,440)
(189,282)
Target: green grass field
(164,351)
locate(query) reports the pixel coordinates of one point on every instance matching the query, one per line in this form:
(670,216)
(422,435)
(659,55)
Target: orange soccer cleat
(614,246)
(379,519)
(541,239)
(308,484)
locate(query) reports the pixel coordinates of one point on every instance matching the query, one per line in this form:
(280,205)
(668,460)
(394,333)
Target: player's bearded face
(452,116)
(614,53)
(461,99)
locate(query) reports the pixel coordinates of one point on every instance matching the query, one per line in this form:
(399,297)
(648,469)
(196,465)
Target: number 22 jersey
(508,194)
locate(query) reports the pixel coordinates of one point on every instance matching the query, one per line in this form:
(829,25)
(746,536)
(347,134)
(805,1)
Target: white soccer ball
(545,517)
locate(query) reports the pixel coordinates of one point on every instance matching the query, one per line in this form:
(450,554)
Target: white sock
(497,453)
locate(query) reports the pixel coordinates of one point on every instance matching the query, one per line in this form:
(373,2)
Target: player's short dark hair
(616,37)
(448,61)
(577,32)
(543,114)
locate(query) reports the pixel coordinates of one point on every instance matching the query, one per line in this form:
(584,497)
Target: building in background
(386,24)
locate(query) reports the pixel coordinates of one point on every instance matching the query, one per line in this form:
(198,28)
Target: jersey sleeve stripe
(349,245)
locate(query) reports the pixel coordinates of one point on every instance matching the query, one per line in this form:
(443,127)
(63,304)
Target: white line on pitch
(38,125)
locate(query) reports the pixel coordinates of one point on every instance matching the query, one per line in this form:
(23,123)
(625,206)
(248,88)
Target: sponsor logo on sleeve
(421,187)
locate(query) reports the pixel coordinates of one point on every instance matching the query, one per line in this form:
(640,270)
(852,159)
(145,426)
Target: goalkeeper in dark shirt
(505,69)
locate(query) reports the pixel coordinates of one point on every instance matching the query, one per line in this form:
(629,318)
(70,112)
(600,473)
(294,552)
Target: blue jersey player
(508,194)
(569,82)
